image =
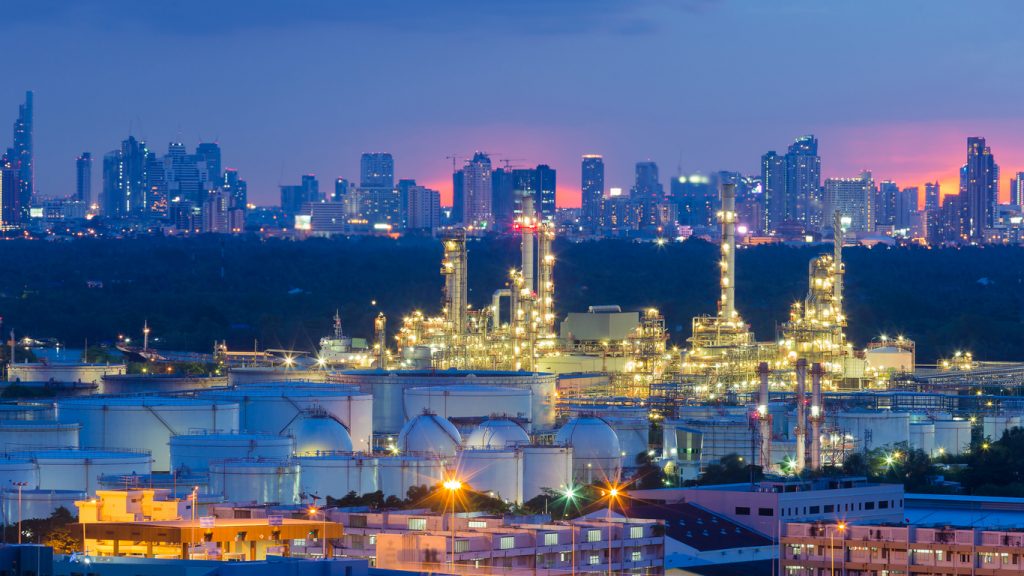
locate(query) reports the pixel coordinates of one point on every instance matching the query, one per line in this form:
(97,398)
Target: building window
(883,504)
(551,539)
(636,556)
(357,521)
(636,531)
(743,510)
(373,539)
(765,512)
(417,523)
(593,535)
(561,556)
(507,542)
(461,546)
(815,509)
(595,559)
(869,505)
(477,524)
(830,508)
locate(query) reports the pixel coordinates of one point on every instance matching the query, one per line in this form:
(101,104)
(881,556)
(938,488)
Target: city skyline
(899,123)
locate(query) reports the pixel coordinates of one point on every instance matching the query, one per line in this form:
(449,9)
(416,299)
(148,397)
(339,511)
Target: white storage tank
(37,504)
(194,452)
(396,474)
(336,475)
(273,410)
(27,434)
(546,468)
(429,434)
(80,469)
(317,433)
(710,412)
(875,428)
(596,452)
(59,373)
(922,437)
(28,411)
(634,437)
(952,437)
(157,383)
(994,425)
(18,470)
(245,375)
(259,481)
(887,358)
(497,433)
(178,485)
(498,472)
(468,402)
(144,422)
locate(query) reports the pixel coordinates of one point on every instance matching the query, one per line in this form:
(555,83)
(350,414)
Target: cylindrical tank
(18,470)
(634,438)
(468,402)
(144,422)
(396,474)
(259,481)
(497,433)
(179,485)
(336,475)
(993,426)
(81,469)
(875,428)
(28,411)
(274,410)
(498,472)
(318,433)
(37,504)
(709,412)
(157,383)
(922,437)
(952,437)
(388,390)
(545,468)
(596,452)
(194,452)
(60,373)
(430,435)
(242,376)
(26,434)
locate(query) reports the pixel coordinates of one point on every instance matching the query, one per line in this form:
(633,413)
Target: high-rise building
(647,184)
(22,159)
(476,192)
(458,190)
(1017,189)
(884,208)
(931,197)
(208,156)
(803,183)
(592,191)
(503,198)
(376,170)
(424,208)
(236,188)
(403,199)
(979,188)
(906,207)
(83,178)
(694,197)
(294,196)
(852,198)
(544,201)
(126,184)
(773,186)
(112,201)
(10,210)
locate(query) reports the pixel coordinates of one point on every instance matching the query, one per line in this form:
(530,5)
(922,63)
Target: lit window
(461,546)
(593,535)
(594,559)
(507,542)
(636,556)
(477,524)
(636,532)
(417,523)
(551,539)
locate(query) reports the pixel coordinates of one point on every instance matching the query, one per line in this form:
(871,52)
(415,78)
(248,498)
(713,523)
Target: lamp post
(613,494)
(323,536)
(452,486)
(842,535)
(570,497)
(20,485)
(192,536)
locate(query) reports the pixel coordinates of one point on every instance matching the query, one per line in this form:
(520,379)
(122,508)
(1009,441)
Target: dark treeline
(197,290)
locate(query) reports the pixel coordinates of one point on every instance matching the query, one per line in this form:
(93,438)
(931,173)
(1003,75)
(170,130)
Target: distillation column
(764,418)
(727,218)
(545,280)
(380,333)
(801,415)
(837,272)
(528,226)
(817,416)
(453,268)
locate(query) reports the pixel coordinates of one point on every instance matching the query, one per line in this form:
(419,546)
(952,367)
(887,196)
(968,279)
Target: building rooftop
(699,528)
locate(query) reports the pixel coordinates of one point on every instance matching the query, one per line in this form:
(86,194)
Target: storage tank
(875,428)
(60,373)
(468,402)
(144,422)
(273,410)
(157,383)
(545,467)
(710,412)
(498,472)
(885,358)
(994,425)
(178,485)
(244,375)
(922,437)
(634,438)
(194,452)
(80,469)
(317,433)
(396,474)
(388,390)
(18,470)
(429,434)
(28,411)
(259,481)
(37,504)
(596,452)
(952,437)
(336,475)
(497,433)
(26,434)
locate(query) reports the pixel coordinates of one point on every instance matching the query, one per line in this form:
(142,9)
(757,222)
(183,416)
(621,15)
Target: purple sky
(302,86)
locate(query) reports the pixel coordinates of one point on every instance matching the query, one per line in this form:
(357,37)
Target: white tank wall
(396,474)
(499,472)
(468,402)
(952,437)
(28,411)
(337,475)
(634,436)
(922,437)
(18,470)
(545,467)
(993,426)
(890,358)
(157,383)
(717,438)
(704,412)
(194,452)
(243,376)
(63,373)
(22,435)
(875,428)
(256,481)
(144,423)
(273,410)
(80,469)
(37,504)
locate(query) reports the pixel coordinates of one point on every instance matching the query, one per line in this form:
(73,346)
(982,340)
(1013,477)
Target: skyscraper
(592,190)
(236,188)
(931,196)
(852,198)
(208,154)
(503,198)
(546,192)
(476,192)
(10,211)
(22,159)
(83,178)
(293,197)
(376,170)
(424,208)
(906,207)
(773,184)
(803,183)
(647,194)
(112,201)
(979,190)
(1017,189)
(884,208)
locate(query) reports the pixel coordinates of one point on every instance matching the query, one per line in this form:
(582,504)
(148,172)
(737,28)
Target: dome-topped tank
(318,433)
(429,434)
(596,452)
(497,433)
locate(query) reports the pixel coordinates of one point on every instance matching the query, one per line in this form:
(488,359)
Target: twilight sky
(300,86)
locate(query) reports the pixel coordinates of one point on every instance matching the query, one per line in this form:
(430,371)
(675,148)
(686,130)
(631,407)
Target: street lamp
(452,485)
(570,497)
(613,495)
(20,485)
(192,537)
(323,536)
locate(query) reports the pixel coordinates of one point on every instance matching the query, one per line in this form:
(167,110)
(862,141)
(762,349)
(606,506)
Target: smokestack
(817,416)
(837,263)
(727,218)
(380,325)
(527,224)
(764,418)
(801,415)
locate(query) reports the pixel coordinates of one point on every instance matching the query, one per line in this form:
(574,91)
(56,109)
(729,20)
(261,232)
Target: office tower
(694,197)
(544,201)
(376,170)
(236,188)
(83,178)
(803,183)
(133,178)
(592,191)
(1017,189)
(403,199)
(476,192)
(458,185)
(931,196)
(647,185)
(979,188)
(342,187)
(951,219)
(208,156)
(773,186)
(906,207)
(503,198)
(112,201)
(294,196)
(424,209)
(884,209)
(524,184)
(10,209)
(22,159)
(852,198)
